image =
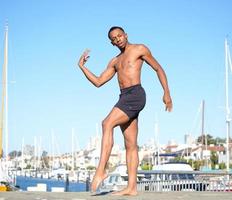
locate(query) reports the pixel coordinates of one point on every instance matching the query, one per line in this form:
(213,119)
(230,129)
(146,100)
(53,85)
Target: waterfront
(55,131)
(24,182)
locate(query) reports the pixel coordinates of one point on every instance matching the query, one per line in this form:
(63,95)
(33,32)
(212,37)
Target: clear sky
(46,39)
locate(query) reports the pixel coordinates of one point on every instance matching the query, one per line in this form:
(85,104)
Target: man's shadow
(102,193)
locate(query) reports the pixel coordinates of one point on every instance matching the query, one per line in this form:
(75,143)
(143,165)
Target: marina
(50,133)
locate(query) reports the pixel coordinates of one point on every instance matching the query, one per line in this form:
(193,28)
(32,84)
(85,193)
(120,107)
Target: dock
(108,196)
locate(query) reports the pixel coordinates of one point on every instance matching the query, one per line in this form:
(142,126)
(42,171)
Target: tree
(28,166)
(68,167)
(19,153)
(222,166)
(220,140)
(146,166)
(44,154)
(90,167)
(196,164)
(45,159)
(14,154)
(179,159)
(213,159)
(209,139)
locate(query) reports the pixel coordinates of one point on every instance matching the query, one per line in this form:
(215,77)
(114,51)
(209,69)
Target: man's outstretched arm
(95,80)
(149,59)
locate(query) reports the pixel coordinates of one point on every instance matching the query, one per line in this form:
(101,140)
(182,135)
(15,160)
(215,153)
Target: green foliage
(222,166)
(211,140)
(179,159)
(208,138)
(45,162)
(67,167)
(28,166)
(90,167)
(196,164)
(220,140)
(14,154)
(44,154)
(146,166)
(213,159)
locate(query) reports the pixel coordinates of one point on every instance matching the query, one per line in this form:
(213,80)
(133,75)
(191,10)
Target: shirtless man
(132,100)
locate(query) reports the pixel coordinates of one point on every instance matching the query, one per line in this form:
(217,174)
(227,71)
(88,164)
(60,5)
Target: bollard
(66,183)
(87,182)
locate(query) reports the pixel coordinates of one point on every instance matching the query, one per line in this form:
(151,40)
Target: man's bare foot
(97,180)
(126,191)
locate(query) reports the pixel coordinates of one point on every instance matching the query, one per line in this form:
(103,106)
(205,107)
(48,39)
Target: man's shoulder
(139,46)
(113,61)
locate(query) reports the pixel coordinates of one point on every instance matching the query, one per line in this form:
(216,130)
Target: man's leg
(130,132)
(115,117)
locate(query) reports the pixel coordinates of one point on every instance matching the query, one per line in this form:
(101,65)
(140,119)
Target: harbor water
(24,182)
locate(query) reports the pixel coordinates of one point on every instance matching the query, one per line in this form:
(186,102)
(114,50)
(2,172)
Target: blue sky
(46,39)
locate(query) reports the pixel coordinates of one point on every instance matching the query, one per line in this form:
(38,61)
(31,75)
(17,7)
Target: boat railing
(165,181)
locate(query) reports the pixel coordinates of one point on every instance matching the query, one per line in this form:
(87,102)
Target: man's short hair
(113,28)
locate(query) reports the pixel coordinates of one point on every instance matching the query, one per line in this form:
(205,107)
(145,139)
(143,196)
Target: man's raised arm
(95,80)
(149,59)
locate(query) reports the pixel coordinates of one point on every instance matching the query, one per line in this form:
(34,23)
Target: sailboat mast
(157,143)
(202,126)
(73,160)
(22,156)
(4,106)
(53,150)
(203,121)
(227,63)
(6,88)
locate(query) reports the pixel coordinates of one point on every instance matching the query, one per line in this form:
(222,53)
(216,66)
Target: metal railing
(165,181)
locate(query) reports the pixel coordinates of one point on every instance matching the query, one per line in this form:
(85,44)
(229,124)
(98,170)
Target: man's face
(118,38)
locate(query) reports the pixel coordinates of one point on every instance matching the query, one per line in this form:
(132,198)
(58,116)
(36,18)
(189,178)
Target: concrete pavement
(108,196)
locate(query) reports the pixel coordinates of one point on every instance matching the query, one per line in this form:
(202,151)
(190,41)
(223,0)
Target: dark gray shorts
(132,100)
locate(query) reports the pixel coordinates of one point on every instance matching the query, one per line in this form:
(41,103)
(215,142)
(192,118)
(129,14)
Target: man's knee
(106,124)
(131,146)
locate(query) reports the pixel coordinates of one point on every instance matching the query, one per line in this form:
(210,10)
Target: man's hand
(83,59)
(167,101)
